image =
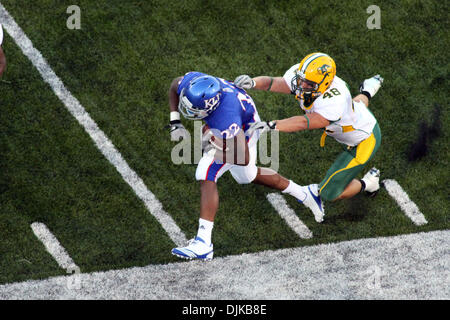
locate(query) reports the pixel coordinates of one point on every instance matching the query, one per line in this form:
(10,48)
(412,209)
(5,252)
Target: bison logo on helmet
(323,69)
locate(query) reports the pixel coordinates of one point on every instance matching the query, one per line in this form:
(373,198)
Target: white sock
(205,230)
(295,190)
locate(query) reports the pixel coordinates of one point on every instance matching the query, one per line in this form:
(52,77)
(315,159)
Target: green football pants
(348,165)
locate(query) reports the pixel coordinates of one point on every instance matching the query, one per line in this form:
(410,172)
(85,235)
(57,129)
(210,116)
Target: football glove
(244,82)
(369,87)
(177,130)
(262,125)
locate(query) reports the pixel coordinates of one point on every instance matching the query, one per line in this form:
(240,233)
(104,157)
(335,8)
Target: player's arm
(177,130)
(274,84)
(298,123)
(234,150)
(173,95)
(308,121)
(266,83)
(2,61)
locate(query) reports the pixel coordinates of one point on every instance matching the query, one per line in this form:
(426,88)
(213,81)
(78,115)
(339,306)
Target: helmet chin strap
(324,77)
(308,98)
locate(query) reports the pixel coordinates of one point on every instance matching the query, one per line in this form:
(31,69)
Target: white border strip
(98,136)
(293,221)
(411,266)
(401,197)
(53,246)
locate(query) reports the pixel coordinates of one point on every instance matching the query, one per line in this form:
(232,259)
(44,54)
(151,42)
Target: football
(218,143)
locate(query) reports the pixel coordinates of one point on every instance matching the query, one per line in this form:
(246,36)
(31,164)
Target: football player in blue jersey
(228,112)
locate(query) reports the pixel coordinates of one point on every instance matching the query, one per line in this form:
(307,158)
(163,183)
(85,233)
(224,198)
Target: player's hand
(262,125)
(245,82)
(177,130)
(206,136)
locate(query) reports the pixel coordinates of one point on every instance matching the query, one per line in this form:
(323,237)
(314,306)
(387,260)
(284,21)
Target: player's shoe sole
(208,257)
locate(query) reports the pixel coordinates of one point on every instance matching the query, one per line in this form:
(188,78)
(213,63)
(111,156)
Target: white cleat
(313,201)
(196,249)
(372,181)
(371,85)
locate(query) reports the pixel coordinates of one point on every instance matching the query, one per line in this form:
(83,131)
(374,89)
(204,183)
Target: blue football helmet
(200,98)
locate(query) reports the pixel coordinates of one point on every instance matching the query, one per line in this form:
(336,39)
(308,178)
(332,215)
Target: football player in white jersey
(2,54)
(328,104)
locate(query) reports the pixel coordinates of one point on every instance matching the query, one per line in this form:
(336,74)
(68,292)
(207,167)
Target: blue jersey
(236,108)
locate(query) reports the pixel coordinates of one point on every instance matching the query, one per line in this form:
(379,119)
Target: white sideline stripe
(98,136)
(412,266)
(293,221)
(401,197)
(53,246)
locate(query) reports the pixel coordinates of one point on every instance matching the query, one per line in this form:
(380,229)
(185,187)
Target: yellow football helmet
(313,77)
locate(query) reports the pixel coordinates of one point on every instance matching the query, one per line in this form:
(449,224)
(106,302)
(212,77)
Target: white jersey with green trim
(350,122)
(1,34)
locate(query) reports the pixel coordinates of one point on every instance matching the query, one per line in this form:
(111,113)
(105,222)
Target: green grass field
(120,65)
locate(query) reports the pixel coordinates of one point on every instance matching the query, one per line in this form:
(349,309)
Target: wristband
(174,116)
(367,94)
(272,124)
(307,121)
(270,85)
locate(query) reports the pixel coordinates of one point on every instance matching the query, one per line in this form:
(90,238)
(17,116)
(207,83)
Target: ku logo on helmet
(210,103)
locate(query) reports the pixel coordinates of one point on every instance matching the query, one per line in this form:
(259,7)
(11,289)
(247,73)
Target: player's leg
(304,194)
(353,188)
(340,175)
(201,247)
(362,98)
(340,183)
(270,178)
(209,200)
(253,174)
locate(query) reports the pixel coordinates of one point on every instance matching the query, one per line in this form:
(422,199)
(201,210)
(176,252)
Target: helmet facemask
(305,89)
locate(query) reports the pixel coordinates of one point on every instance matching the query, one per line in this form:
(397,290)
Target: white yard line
(293,221)
(98,136)
(411,266)
(53,246)
(401,197)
